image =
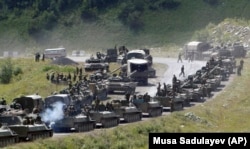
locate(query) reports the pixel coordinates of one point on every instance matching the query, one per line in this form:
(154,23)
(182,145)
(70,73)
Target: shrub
(17,71)
(6,71)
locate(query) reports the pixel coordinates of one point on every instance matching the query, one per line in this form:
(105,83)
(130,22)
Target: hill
(30,26)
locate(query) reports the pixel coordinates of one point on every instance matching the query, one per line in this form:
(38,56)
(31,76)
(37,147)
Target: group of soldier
(37,57)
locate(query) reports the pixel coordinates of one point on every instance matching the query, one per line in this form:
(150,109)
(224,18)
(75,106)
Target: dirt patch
(64,61)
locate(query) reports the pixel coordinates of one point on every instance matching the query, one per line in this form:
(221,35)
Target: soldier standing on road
(179,58)
(182,71)
(174,80)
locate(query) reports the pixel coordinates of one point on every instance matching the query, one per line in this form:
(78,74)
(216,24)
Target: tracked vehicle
(95,64)
(149,107)
(120,84)
(173,103)
(70,114)
(127,112)
(27,128)
(104,117)
(7,136)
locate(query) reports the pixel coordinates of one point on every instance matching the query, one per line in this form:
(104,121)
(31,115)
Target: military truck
(238,50)
(139,54)
(139,71)
(111,55)
(194,50)
(29,103)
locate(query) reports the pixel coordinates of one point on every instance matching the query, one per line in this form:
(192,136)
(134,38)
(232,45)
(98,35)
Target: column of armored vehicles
(81,108)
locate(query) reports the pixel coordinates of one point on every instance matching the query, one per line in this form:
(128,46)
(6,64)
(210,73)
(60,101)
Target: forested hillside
(98,24)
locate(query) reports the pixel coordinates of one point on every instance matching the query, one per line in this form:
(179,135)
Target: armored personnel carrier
(27,128)
(104,118)
(149,107)
(174,103)
(127,112)
(70,116)
(7,136)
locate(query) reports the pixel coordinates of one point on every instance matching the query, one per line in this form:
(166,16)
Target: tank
(127,112)
(65,114)
(150,108)
(27,128)
(7,136)
(95,64)
(120,84)
(103,117)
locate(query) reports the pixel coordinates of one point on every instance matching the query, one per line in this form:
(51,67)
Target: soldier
(74,77)
(3,101)
(182,71)
(77,70)
(174,80)
(158,89)
(69,76)
(179,58)
(47,76)
(241,63)
(239,70)
(127,96)
(43,57)
(146,97)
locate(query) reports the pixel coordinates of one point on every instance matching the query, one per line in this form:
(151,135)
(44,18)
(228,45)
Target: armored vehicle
(147,106)
(7,136)
(95,64)
(27,128)
(103,116)
(69,114)
(174,103)
(73,122)
(127,112)
(120,84)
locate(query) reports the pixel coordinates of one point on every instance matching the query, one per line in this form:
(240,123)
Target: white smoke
(53,114)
